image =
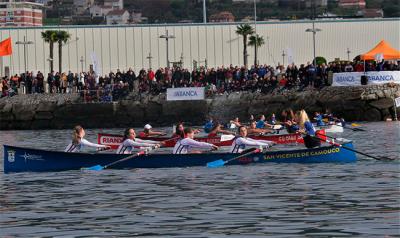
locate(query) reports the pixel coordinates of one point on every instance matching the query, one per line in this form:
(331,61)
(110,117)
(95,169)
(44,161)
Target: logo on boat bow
(27,156)
(11,156)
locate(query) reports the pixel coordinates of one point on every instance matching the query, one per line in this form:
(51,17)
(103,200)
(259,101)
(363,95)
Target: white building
(114,4)
(124,46)
(117,17)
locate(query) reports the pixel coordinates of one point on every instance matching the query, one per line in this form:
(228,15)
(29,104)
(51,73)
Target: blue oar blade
(95,168)
(216,164)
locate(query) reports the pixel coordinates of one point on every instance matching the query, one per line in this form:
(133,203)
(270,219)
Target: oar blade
(95,168)
(216,164)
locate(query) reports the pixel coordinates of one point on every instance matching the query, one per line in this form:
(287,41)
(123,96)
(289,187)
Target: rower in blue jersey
(209,125)
(240,142)
(308,129)
(318,117)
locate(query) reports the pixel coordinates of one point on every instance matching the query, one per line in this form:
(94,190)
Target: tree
(61,37)
(256,41)
(49,36)
(244,30)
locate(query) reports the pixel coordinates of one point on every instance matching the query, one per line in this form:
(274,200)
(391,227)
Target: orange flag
(6,47)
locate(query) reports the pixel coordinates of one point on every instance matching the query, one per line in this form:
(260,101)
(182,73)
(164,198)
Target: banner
(397,100)
(178,94)
(290,56)
(374,77)
(96,66)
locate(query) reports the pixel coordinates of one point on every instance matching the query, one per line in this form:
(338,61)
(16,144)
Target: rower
(234,123)
(252,129)
(318,118)
(239,143)
(288,119)
(78,142)
(262,123)
(209,125)
(130,142)
(179,130)
(187,144)
(217,129)
(307,128)
(148,132)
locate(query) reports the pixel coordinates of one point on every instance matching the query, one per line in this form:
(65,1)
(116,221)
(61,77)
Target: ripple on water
(277,200)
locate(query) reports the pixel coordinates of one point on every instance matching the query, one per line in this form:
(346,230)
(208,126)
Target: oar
(99,167)
(348,148)
(220,162)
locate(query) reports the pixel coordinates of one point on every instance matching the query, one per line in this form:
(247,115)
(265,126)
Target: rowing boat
(19,159)
(115,140)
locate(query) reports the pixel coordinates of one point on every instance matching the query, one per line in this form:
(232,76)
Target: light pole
(149,58)
(283,58)
(24,43)
(204,12)
(348,54)
(314,31)
(82,60)
(255,27)
(167,37)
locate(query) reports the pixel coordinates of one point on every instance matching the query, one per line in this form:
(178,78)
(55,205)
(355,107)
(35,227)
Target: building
(352,3)
(114,4)
(372,13)
(303,3)
(117,17)
(224,16)
(21,13)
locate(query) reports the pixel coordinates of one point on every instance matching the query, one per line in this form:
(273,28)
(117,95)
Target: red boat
(115,140)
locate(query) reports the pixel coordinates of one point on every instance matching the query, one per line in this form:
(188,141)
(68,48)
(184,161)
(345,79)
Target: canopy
(383,48)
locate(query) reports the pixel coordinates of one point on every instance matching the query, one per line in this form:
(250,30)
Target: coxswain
(130,142)
(148,132)
(78,142)
(307,129)
(187,144)
(240,142)
(253,130)
(218,130)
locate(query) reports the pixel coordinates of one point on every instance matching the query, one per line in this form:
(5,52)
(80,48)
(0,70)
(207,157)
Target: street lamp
(348,54)
(314,31)
(82,60)
(283,57)
(167,37)
(204,12)
(149,58)
(255,28)
(24,43)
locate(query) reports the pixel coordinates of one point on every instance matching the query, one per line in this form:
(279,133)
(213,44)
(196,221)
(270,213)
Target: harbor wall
(58,111)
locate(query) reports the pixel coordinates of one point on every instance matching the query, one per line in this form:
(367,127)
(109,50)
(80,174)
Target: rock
(7,108)
(371,96)
(372,114)
(46,107)
(382,103)
(44,116)
(23,112)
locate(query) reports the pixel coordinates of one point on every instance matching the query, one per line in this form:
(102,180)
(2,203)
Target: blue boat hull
(18,159)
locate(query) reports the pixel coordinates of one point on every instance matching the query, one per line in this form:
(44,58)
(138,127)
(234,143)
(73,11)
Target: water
(276,200)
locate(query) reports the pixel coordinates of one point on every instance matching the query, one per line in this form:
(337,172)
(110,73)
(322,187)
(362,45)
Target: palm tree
(244,30)
(61,37)
(49,36)
(256,41)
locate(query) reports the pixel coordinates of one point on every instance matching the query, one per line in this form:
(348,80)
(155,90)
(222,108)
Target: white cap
(147,126)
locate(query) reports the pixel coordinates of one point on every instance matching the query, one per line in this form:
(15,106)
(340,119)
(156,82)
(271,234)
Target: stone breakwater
(58,111)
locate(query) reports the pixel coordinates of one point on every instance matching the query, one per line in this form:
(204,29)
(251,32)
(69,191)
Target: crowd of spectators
(220,80)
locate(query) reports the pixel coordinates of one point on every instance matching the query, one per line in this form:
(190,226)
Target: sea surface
(273,200)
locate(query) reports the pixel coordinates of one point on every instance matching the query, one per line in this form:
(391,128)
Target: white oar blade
(227,137)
